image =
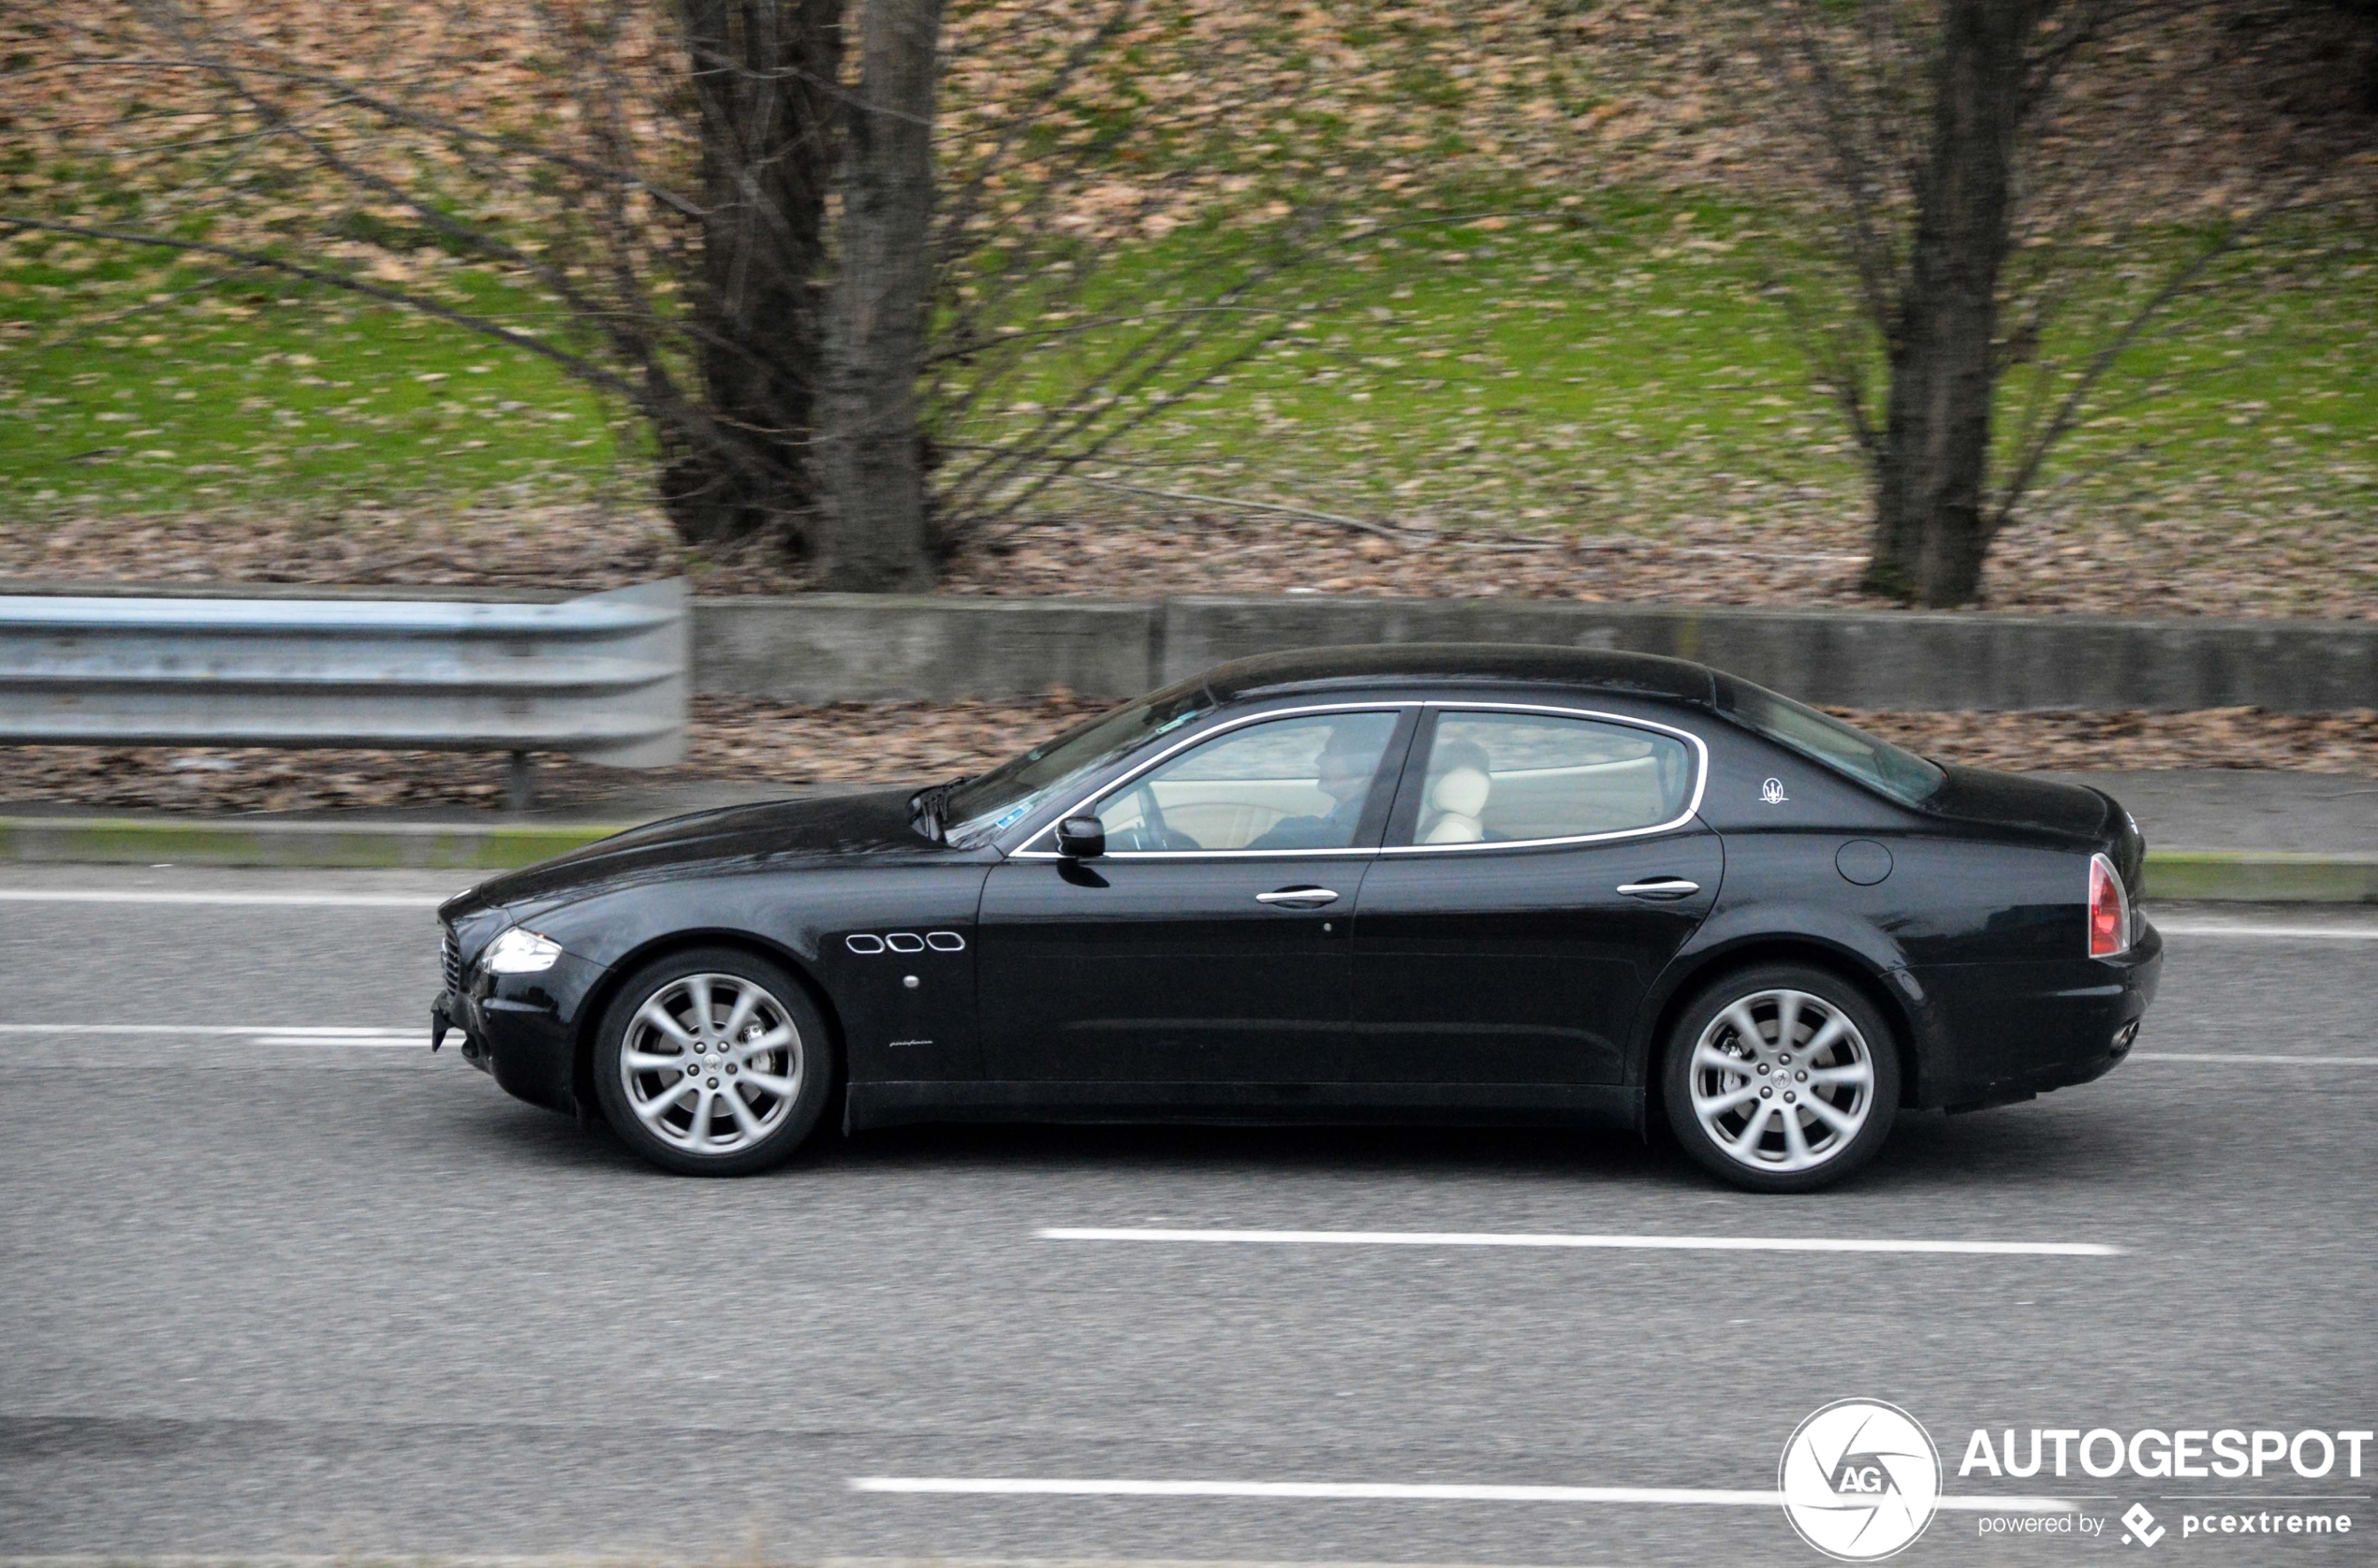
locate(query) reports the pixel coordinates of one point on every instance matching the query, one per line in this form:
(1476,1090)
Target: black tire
(1769,1161)
(799,1078)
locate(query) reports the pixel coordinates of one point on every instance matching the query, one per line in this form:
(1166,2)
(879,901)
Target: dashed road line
(278,1035)
(1376,1491)
(2252,1059)
(161,896)
(1559,1239)
(2254,931)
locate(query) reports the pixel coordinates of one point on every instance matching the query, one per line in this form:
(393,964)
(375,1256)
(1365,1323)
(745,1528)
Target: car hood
(2018,801)
(770,835)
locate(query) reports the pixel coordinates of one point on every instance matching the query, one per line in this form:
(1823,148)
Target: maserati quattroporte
(1474,884)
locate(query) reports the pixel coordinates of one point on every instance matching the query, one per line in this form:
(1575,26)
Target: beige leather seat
(1458,796)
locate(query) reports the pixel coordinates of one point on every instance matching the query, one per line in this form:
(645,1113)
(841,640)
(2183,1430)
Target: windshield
(1899,775)
(1021,785)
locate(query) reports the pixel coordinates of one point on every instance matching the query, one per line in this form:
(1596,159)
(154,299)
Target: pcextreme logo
(1860,1480)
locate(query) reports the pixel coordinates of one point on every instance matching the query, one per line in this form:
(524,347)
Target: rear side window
(1902,775)
(1502,778)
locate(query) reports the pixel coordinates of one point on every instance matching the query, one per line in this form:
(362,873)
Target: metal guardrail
(603,678)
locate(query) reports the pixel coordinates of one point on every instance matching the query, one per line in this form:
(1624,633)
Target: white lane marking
(278,1035)
(2258,1061)
(2289,933)
(1390,1492)
(291,900)
(1554,1239)
(327,1029)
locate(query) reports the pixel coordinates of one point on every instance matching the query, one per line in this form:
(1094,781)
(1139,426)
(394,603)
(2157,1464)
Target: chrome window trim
(1692,807)
(1023,851)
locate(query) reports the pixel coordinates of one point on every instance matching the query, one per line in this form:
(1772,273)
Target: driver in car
(1348,760)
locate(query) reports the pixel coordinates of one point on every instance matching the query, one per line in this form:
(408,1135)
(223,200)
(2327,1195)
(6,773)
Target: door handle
(1662,887)
(1299,897)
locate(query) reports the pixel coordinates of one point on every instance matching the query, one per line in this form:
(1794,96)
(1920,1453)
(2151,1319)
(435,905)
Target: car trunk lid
(2020,800)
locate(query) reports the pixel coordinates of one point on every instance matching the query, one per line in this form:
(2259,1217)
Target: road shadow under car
(2014,1148)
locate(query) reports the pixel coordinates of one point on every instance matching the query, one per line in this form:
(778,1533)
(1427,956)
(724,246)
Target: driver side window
(1285,784)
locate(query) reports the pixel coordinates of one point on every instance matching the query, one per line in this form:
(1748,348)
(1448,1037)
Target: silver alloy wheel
(1782,1080)
(712,1064)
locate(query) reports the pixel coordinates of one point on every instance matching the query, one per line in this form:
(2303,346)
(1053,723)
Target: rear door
(1542,866)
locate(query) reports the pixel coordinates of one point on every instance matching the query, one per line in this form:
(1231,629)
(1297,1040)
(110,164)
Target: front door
(1209,945)
(1541,869)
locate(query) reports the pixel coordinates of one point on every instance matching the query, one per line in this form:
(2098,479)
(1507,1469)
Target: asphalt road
(310,1294)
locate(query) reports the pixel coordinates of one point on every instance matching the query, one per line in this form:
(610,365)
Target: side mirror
(1082,838)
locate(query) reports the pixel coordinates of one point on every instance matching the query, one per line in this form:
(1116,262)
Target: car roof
(1349,668)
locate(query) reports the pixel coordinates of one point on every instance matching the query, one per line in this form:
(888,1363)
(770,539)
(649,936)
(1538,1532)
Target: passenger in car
(1349,761)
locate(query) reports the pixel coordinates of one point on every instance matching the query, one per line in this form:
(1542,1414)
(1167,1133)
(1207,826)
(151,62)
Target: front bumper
(521,1029)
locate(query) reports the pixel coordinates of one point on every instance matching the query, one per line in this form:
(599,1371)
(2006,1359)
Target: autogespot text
(2224,1452)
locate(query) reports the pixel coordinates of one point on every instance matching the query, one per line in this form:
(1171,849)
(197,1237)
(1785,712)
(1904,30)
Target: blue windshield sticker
(1172,724)
(1011,817)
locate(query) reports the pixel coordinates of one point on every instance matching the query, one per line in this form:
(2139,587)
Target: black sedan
(1473,884)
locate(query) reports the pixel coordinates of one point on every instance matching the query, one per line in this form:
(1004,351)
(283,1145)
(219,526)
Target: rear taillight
(2108,910)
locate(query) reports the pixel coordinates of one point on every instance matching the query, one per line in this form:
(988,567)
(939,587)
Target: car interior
(1490,778)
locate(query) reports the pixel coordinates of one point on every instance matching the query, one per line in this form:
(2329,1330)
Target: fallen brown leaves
(870,742)
(730,739)
(2213,564)
(2090,742)
(1192,105)
(757,741)
(581,549)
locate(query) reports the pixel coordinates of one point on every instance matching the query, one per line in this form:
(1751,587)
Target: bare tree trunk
(1930,529)
(869,456)
(763,75)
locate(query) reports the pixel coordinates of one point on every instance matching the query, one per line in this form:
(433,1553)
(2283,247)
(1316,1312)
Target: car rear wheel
(1782,1078)
(713,1063)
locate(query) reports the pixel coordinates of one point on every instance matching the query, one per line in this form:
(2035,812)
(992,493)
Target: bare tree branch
(344,91)
(2028,459)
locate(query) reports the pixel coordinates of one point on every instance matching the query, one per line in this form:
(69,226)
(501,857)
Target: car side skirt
(887,1104)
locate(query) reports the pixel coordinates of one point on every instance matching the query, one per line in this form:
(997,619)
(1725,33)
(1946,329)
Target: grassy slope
(1622,371)
(1614,370)
(265,393)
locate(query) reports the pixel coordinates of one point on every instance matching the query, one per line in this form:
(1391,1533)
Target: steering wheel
(1153,833)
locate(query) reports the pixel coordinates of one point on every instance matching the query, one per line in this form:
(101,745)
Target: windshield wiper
(924,807)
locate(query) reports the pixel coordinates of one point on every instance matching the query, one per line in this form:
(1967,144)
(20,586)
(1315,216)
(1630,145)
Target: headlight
(520,952)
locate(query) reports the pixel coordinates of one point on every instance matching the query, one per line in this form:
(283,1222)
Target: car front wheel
(713,1063)
(1781,1078)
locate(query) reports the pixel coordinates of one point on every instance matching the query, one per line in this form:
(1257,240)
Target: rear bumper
(2017,1030)
(523,1029)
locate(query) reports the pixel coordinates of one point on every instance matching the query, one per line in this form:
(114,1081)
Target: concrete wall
(832,646)
(873,648)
